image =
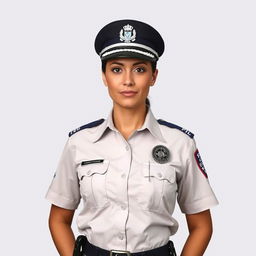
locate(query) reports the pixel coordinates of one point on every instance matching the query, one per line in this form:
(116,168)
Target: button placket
(123,203)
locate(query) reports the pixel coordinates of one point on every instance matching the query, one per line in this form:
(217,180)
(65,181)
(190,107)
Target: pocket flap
(160,171)
(93,167)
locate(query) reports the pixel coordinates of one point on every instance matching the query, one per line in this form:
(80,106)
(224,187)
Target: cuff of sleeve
(61,201)
(199,205)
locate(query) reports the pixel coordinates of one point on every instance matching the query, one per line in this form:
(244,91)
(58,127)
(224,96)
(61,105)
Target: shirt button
(89,172)
(159,175)
(127,147)
(172,180)
(123,175)
(123,206)
(121,236)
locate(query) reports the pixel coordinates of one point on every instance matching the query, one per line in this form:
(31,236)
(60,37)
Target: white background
(51,84)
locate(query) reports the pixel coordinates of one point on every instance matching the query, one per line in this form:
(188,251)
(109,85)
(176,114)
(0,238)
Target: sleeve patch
(200,163)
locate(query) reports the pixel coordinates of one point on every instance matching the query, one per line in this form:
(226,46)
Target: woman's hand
(200,232)
(60,221)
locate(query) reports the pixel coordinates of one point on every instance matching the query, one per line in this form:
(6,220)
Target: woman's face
(128,81)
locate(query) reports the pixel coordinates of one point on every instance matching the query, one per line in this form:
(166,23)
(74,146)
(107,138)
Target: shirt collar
(150,124)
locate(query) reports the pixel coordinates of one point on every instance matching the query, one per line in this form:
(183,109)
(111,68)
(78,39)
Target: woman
(129,168)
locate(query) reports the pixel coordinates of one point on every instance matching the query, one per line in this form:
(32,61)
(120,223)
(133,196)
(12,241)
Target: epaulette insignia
(89,125)
(161,121)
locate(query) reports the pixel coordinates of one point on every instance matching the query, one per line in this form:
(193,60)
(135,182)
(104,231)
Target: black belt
(84,248)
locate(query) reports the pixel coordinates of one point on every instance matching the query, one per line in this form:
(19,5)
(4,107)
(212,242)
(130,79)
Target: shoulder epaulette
(89,125)
(161,121)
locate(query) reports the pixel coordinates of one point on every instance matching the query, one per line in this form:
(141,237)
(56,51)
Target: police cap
(129,39)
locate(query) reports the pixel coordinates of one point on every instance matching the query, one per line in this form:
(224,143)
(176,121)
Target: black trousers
(84,248)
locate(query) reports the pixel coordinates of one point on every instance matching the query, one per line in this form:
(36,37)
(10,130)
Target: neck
(127,120)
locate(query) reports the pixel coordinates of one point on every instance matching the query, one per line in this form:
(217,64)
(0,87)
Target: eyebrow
(134,64)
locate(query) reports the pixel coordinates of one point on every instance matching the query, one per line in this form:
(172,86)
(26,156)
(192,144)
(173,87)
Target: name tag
(92,161)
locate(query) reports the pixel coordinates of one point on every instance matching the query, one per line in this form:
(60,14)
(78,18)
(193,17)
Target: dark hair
(147,102)
(104,63)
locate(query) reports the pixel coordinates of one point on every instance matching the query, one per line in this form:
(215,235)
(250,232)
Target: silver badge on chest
(127,34)
(161,154)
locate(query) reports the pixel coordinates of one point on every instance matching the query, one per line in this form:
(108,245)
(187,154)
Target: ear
(154,76)
(104,79)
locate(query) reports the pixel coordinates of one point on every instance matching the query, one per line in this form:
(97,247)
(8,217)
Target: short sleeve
(194,190)
(64,189)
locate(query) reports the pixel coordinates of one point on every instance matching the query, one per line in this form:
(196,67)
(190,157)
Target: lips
(128,93)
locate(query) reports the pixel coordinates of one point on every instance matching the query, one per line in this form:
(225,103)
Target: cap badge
(161,154)
(127,34)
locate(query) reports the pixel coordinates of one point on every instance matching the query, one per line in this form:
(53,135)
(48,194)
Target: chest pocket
(92,178)
(158,189)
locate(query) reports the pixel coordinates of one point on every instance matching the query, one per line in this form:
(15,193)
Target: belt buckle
(121,253)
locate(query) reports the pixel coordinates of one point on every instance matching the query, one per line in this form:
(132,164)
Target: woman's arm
(60,221)
(200,232)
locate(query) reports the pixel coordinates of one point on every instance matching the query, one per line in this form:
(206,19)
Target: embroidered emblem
(200,163)
(161,154)
(127,34)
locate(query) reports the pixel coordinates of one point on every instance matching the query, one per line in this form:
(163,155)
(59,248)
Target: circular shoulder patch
(161,154)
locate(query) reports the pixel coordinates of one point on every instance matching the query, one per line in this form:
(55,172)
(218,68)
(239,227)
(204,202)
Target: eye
(140,70)
(116,70)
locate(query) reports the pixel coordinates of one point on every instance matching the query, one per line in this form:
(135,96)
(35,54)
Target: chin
(129,105)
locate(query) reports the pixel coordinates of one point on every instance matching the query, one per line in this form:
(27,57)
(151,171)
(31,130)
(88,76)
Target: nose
(128,78)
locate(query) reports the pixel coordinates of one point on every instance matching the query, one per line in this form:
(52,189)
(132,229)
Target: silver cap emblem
(127,34)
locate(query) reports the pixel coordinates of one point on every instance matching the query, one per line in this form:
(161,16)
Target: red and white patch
(200,163)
